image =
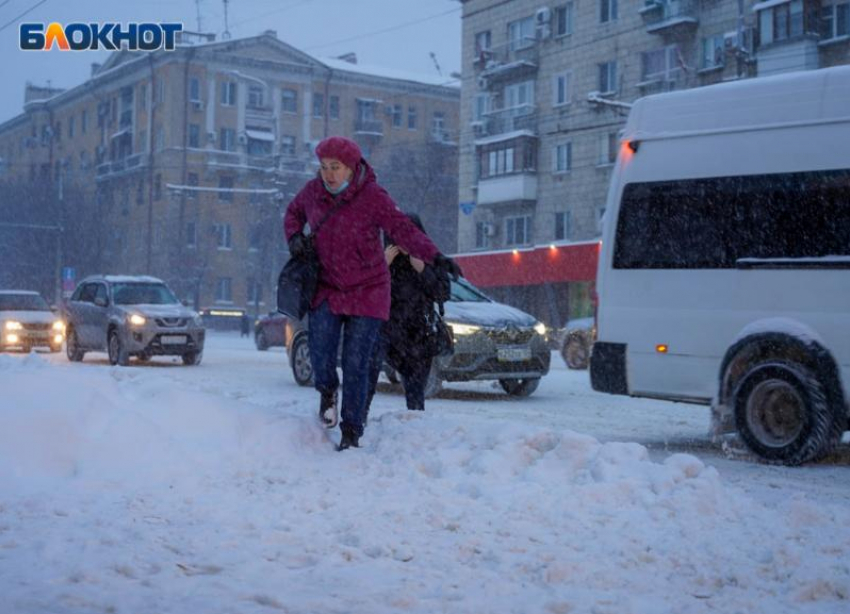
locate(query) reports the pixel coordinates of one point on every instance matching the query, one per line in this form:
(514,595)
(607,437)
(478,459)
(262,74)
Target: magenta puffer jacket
(354,276)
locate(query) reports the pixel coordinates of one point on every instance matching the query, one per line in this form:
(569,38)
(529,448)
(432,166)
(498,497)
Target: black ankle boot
(349,440)
(328,414)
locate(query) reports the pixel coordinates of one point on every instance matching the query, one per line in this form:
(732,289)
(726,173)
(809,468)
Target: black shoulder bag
(296,284)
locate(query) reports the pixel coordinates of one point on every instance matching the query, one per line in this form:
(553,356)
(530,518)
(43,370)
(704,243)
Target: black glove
(299,246)
(447,266)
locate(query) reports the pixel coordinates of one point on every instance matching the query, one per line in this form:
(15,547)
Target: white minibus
(724,273)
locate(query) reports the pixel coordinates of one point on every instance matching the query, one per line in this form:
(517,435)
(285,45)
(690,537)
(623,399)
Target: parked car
(131,316)
(579,335)
(492,341)
(270,331)
(27,321)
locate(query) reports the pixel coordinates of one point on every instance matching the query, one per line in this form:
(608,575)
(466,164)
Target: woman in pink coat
(353,295)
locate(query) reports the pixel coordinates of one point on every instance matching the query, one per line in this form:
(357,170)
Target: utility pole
(226,34)
(198,12)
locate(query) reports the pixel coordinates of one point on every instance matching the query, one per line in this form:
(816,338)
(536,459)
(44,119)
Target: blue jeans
(359,335)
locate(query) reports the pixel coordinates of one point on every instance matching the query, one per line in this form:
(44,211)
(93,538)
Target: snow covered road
(168,489)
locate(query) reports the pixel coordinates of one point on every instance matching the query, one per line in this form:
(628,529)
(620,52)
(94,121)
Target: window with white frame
(607,10)
(521,33)
(607,148)
(254,294)
(192,182)
(225,193)
(227,139)
(835,20)
(438,126)
(561,88)
(482,105)
(333,108)
(713,52)
(608,77)
(660,64)
(195,89)
(191,234)
(194,135)
(223,290)
(563,225)
(228,93)
(287,145)
(519,98)
(518,230)
(318,105)
(483,231)
(564,19)
(397,114)
(781,22)
(562,157)
(482,43)
(289,100)
(411,118)
(223,236)
(499,161)
(255,96)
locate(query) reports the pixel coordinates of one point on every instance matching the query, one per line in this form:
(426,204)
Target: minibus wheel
(782,413)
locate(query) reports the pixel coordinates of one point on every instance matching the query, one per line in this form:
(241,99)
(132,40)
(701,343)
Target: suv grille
(509,336)
(171,322)
(32,326)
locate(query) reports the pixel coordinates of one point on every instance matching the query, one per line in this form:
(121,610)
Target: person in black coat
(407,340)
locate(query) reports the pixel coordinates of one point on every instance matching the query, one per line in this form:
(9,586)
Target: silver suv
(131,316)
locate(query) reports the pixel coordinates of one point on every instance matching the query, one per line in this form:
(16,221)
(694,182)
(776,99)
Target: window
(71,122)
(607,148)
(438,126)
(287,145)
(835,21)
(318,105)
(482,43)
(143,96)
(191,234)
(713,52)
(564,17)
(608,77)
(521,33)
(607,10)
(499,161)
(255,96)
(563,225)
(483,231)
(84,121)
(411,118)
(482,105)
(561,89)
(518,230)
(333,109)
(259,146)
(562,158)
(520,97)
(781,22)
(194,135)
(223,293)
(289,101)
(159,138)
(397,113)
(228,93)
(192,182)
(223,236)
(225,185)
(194,89)
(227,139)
(661,64)
(783,215)
(254,293)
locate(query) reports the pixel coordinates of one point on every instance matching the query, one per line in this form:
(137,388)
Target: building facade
(180,164)
(547,88)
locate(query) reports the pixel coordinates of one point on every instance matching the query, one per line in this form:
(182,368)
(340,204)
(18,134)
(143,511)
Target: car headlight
(198,321)
(463,329)
(59,326)
(136,320)
(13,325)
(540,329)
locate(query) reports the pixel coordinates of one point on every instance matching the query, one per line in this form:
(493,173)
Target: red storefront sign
(533,266)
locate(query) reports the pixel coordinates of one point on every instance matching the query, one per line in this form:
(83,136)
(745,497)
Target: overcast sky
(398,34)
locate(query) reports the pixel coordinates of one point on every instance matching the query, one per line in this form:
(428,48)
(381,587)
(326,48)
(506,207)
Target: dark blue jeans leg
(375,366)
(359,336)
(323,338)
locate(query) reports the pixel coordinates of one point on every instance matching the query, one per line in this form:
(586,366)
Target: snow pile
(125,491)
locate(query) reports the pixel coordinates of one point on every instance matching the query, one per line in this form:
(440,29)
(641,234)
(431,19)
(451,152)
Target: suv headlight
(136,320)
(59,326)
(197,320)
(463,329)
(540,329)
(13,325)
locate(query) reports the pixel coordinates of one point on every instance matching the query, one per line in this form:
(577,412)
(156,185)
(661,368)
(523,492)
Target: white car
(26,321)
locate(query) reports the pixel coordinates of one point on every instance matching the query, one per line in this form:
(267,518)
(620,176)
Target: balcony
(369,127)
(508,62)
(512,119)
(121,166)
(506,188)
(670,16)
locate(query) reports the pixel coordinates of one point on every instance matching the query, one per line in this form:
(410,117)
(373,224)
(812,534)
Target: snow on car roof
(18,292)
(126,278)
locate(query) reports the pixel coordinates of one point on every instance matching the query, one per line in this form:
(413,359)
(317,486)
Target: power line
(24,14)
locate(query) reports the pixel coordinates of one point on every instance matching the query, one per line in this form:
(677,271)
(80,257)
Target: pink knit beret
(340,148)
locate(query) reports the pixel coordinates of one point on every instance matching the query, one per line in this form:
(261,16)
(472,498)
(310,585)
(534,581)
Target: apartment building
(180,163)
(546,89)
